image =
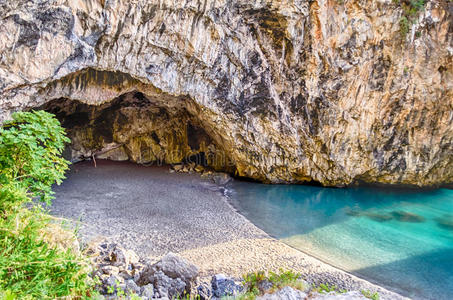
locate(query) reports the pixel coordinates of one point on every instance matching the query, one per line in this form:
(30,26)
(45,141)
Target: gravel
(153,211)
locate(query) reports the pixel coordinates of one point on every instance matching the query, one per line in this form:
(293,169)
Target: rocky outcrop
(289,91)
(120,273)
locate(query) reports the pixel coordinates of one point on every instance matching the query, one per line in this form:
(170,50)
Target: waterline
(401,239)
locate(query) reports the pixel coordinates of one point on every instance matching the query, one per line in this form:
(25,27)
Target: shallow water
(401,239)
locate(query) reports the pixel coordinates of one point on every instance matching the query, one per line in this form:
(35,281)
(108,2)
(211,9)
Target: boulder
(167,287)
(119,256)
(199,168)
(173,267)
(286,293)
(110,270)
(147,291)
(265,285)
(221,178)
(204,291)
(132,287)
(223,286)
(178,168)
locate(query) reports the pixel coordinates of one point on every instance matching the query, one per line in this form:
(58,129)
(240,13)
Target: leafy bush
(325,288)
(410,8)
(30,162)
(254,282)
(30,149)
(370,295)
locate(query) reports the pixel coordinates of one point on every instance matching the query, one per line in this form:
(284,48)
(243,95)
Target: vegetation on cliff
(410,9)
(33,263)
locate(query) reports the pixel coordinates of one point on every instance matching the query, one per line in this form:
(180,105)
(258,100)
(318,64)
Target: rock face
(118,270)
(287,293)
(172,276)
(283,90)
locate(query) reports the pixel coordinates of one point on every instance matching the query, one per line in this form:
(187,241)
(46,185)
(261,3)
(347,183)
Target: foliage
(30,149)
(370,295)
(29,267)
(30,162)
(410,8)
(327,288)
(253,282)
(286,278)
(404,26)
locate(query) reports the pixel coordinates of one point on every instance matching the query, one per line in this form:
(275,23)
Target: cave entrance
(139,128)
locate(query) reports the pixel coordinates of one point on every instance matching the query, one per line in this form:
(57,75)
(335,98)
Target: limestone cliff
(327,90)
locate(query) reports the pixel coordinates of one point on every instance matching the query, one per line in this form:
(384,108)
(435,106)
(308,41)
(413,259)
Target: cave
(139,128)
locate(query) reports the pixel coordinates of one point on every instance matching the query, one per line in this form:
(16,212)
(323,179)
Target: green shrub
(253,282)
(410,12)
(30,266)
(370,295)
(327,288)
(30,149)
(404,26)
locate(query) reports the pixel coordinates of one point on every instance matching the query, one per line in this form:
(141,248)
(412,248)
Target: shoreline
(399,293)
(146,209)
(359,284)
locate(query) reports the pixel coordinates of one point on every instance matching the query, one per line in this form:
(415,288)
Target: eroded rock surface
(291,90)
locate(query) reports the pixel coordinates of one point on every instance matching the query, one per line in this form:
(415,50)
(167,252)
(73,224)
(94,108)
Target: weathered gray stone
(172,275)
(354,295)
(119,257)
(168,287)
(113,280)
(204,291)
(223,286)
(286,293)
(147,291)
(221,178)
(110,270)
(132,287)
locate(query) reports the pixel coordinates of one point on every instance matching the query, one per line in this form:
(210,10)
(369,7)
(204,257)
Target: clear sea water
(398,238)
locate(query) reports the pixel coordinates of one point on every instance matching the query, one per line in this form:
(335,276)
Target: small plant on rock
(259,283)
(410,8)
(325,288)
(368,294)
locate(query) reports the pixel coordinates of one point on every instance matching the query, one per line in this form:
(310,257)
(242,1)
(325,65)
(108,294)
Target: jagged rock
(119,256)
(132,287)
(199,168)
(147,291)
(204,291)
(168,287)
(126,274)
(111,283)
(178,168)
(278,91)
(221,178)
(171,270)
(223,286)
(286,293)
(110,270)
(264,286)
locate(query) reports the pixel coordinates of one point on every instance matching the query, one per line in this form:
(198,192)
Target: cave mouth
(139,128)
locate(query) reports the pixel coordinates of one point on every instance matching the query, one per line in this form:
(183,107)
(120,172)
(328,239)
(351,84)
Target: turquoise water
(402,239)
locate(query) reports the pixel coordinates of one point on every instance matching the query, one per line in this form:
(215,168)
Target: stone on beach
(171,270)
(286,293)
(353,295)
(223,286)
